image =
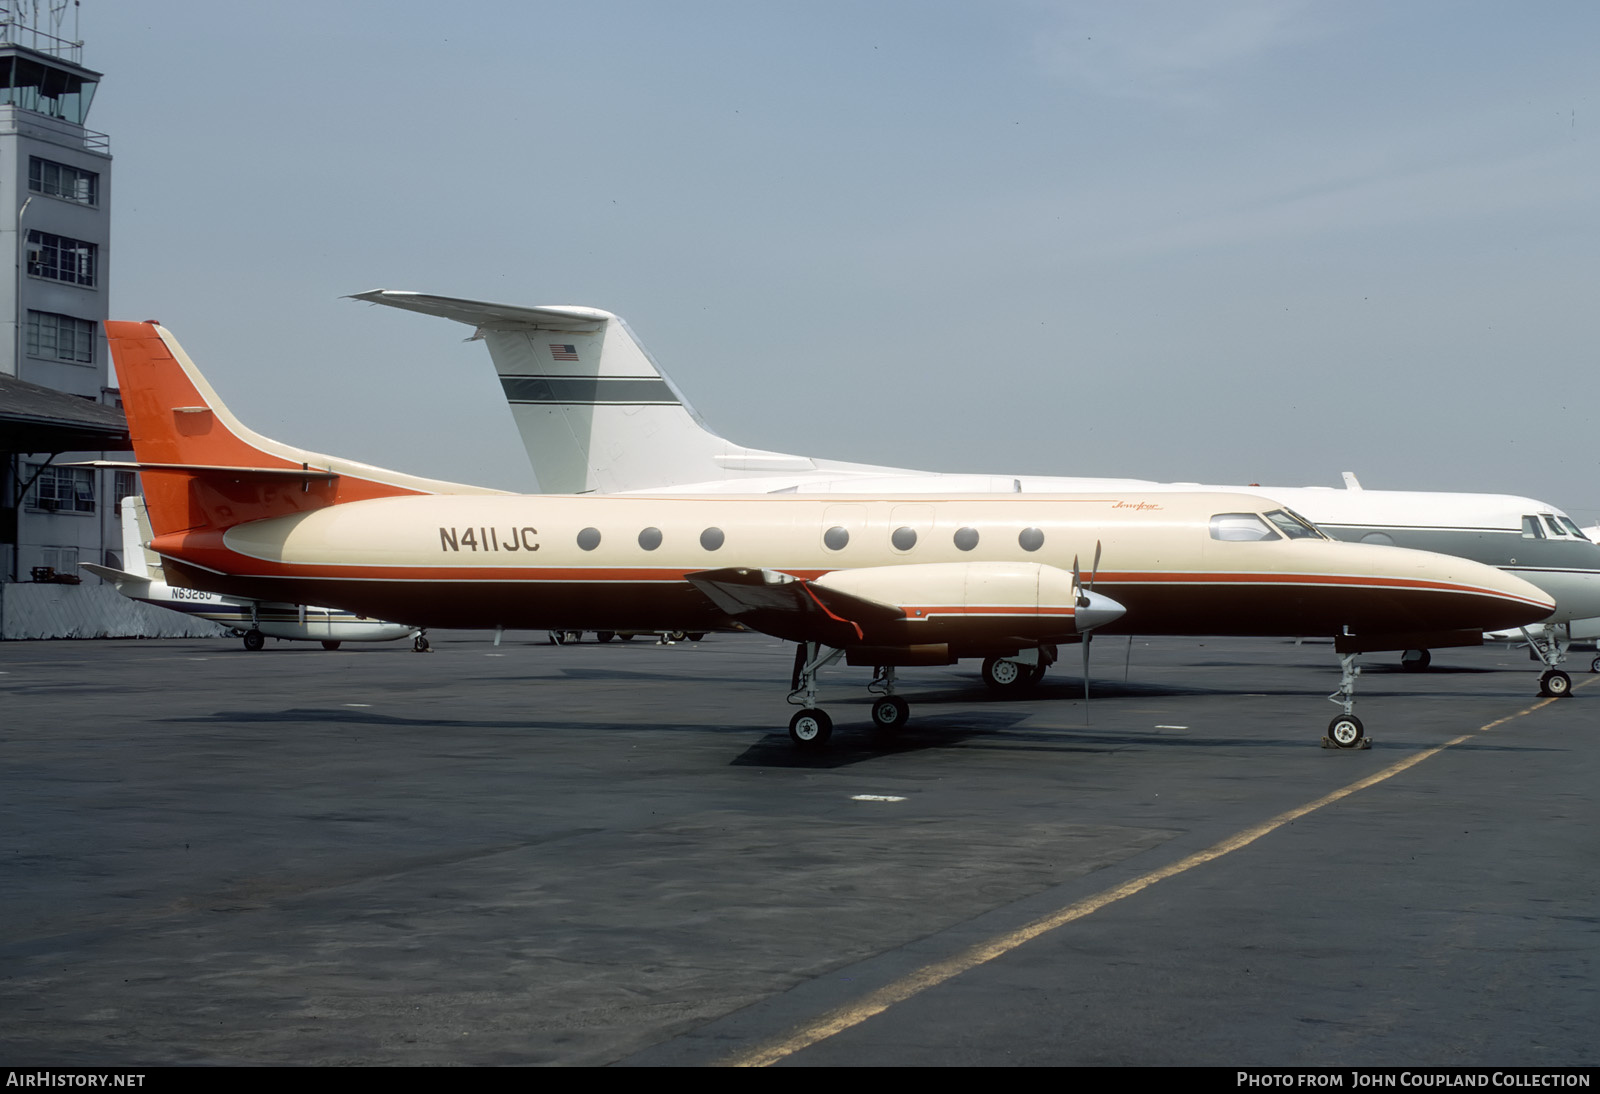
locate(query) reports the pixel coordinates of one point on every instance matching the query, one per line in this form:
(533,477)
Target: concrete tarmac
(612,854)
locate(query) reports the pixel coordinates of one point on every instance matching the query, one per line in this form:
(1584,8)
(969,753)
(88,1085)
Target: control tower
(55,216)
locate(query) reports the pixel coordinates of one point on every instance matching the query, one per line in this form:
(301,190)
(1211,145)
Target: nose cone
(1097,612)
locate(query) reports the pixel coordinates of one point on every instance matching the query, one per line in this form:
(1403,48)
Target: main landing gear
(1012,674)
(811,727)
(254,640)
(420,644)
(1346,731)
(1551,651)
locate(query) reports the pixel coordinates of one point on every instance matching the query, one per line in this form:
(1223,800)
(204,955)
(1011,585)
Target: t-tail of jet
(584,392)
(203,471)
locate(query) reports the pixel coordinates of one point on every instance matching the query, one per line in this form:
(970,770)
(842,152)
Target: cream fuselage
(619,562)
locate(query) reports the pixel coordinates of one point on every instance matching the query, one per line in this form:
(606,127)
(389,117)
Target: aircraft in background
(885,581)
(598,415)
(252,620)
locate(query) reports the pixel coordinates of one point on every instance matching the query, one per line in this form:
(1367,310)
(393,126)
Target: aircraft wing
(791,608)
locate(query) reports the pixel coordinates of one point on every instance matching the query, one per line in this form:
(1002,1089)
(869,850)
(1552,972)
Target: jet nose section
(1096,610)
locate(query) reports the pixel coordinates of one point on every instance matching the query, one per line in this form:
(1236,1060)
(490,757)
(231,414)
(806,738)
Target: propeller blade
(1095,569)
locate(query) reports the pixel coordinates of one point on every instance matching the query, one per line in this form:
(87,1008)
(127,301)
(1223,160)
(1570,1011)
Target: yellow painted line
(929,976)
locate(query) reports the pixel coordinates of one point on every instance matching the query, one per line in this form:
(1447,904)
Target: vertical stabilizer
(202,469)
(596,413)
(137,558)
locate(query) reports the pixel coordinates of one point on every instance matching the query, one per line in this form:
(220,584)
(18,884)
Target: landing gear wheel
(1594,666)
(810,728)
(1003,675)
(1416,660)
(419,644)
(1555,684)
(626,637)
(604,636)
(695,636)
(254,640)
(890,712)
(330,644)
(676,636)
(1346,731)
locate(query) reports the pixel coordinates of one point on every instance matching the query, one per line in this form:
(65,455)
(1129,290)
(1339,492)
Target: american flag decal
(563,353)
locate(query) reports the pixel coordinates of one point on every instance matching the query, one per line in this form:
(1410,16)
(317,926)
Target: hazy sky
(1225,242)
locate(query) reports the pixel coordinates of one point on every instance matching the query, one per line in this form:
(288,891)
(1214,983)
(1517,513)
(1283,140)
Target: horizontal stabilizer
(479,313)
(107,573)
(303,472)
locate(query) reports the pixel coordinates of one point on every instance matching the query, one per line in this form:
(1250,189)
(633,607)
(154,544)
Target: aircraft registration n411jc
(882,580)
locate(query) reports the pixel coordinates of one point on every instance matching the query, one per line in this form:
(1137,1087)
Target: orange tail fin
(203,470)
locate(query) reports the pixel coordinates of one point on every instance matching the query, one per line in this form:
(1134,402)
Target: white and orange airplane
(598,414)
(881,580)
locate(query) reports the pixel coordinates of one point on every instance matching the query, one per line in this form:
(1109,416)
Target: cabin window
(1240,528)
(835,538)
(966,539)
(1531,529)
(1030,539)
(904,539)
(589,538)
(650,538)
(712,538)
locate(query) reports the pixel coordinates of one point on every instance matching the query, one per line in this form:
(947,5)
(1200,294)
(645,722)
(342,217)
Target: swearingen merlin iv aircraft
(597,414)
(251,620)
(884,581)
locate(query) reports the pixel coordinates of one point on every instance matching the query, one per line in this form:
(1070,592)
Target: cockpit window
(1240,528)
(1531,529)
(1293,525)
(1555,529)
(1568,524)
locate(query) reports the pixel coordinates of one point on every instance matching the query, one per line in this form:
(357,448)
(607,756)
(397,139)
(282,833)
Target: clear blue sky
(1224,242)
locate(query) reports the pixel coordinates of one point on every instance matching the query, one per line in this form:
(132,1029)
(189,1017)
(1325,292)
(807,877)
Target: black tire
(1556,684)
(1346,731)
(604,636)
(330,644)
(810,728)
(695,636)
(890,712)
(676,636)
(626,637)
(254,640)
(1594,666)
(1416,660)
(419,644)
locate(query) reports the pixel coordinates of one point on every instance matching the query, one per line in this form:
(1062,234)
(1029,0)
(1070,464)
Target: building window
(63,560)
(62,489)
(61,337)
(61,259)
(57,180)
(126,485)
